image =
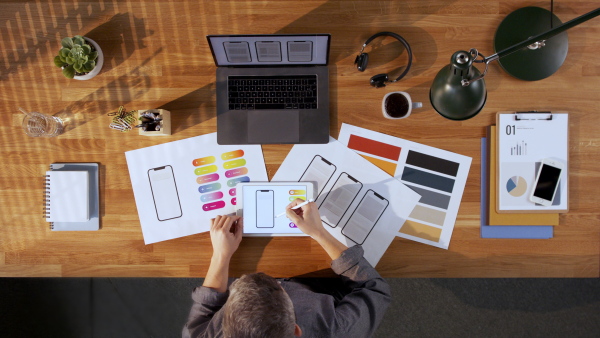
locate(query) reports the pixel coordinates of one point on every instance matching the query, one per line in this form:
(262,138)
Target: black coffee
(396,105)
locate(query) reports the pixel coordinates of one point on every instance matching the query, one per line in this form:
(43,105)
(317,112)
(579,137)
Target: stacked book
(512,154)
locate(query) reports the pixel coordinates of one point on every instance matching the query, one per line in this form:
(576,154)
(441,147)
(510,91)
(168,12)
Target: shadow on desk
(118,37)
(248,255)
(193,108)
(199,105)
(124,89)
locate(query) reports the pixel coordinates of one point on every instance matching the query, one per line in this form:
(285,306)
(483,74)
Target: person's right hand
(308,220)
(307,217)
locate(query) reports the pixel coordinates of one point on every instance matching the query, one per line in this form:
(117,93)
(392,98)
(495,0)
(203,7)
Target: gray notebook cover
(94,222)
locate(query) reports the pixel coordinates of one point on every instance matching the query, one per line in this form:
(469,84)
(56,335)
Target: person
(257,305)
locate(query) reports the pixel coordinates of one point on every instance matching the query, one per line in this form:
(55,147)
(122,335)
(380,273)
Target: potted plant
(80,58)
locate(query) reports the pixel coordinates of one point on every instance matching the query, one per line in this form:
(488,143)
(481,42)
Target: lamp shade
(449,97)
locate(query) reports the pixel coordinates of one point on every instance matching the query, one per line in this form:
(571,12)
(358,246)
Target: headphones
(362,60)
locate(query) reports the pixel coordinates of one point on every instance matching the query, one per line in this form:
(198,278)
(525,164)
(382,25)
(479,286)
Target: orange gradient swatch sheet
(439,176)
(179,186)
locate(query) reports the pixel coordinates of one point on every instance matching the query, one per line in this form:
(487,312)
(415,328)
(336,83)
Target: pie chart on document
(516,186)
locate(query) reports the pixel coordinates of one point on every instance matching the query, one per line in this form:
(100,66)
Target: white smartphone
(338,200)
(365,216)
(546,182)
(164,193)
(265,209)
(319,171)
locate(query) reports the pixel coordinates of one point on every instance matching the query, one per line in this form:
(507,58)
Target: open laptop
(272,88)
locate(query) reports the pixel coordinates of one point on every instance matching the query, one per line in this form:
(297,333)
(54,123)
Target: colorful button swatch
(203,161)
(236,172)
(207,170)
(207,178)
(211,197)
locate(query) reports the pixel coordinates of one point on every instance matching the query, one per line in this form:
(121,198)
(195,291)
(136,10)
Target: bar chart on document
(520,148)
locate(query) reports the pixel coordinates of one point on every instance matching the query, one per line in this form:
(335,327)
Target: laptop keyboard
(272,92)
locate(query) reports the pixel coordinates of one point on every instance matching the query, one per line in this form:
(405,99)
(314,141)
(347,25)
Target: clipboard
(524,139)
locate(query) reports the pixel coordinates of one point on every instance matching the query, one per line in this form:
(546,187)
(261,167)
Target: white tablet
(260,202)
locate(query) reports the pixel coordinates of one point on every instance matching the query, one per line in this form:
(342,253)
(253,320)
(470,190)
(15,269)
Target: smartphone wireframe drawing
(319,171)
(365,216)
(265,209)
(339,198)
(546,182)
(164,193)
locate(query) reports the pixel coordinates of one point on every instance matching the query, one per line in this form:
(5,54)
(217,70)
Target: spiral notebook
(71,197)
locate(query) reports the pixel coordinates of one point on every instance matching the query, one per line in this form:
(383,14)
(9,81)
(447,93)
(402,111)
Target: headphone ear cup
(361,61)
(379,80)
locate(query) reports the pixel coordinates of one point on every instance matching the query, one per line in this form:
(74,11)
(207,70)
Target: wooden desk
(158,57)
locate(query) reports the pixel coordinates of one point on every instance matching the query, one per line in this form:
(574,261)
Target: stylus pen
(296,207)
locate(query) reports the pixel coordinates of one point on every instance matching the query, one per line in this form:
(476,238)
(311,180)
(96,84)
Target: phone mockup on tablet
(265,208)
(260,202)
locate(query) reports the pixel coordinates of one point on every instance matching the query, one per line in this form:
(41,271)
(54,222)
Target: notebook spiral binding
(46,211)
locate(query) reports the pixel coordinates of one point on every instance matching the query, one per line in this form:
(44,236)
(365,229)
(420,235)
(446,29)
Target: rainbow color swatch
(207,171)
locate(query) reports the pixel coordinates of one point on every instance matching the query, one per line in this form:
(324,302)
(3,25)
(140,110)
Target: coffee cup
(398,105)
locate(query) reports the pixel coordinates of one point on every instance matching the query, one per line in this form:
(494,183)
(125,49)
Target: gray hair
(258,307)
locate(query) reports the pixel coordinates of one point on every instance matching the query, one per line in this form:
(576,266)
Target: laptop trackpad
(274,126)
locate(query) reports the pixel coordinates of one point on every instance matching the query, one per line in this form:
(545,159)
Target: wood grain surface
(157,57)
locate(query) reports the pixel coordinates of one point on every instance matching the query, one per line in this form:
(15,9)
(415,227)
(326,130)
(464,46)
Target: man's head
(258,307)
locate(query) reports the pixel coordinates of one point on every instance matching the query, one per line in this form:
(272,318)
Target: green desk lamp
(458,90)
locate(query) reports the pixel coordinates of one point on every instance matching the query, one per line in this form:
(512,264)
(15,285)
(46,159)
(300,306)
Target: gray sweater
(353,309)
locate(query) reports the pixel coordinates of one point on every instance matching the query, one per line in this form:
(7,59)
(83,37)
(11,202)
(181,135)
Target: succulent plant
(76,57)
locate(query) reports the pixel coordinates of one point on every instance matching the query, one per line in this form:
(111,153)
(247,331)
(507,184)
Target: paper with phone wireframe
(525,140)
(179,186)
(358,202)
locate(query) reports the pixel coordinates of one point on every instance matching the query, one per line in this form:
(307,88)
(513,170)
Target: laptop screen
(269,50)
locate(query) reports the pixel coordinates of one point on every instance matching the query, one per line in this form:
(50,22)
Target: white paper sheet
(179,186)
(522,145)
(438,175)
(368,211)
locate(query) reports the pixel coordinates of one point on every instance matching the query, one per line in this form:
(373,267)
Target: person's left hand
(225,235)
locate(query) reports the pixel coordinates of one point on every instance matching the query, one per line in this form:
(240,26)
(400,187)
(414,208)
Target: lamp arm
(532,40)
(543,36)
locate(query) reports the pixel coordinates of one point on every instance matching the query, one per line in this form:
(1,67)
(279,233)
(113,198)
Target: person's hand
(307,218)
(225,235)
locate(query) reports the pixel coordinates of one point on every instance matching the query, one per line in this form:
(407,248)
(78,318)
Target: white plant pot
(99,62)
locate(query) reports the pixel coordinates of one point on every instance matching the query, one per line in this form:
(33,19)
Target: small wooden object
(165,124)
